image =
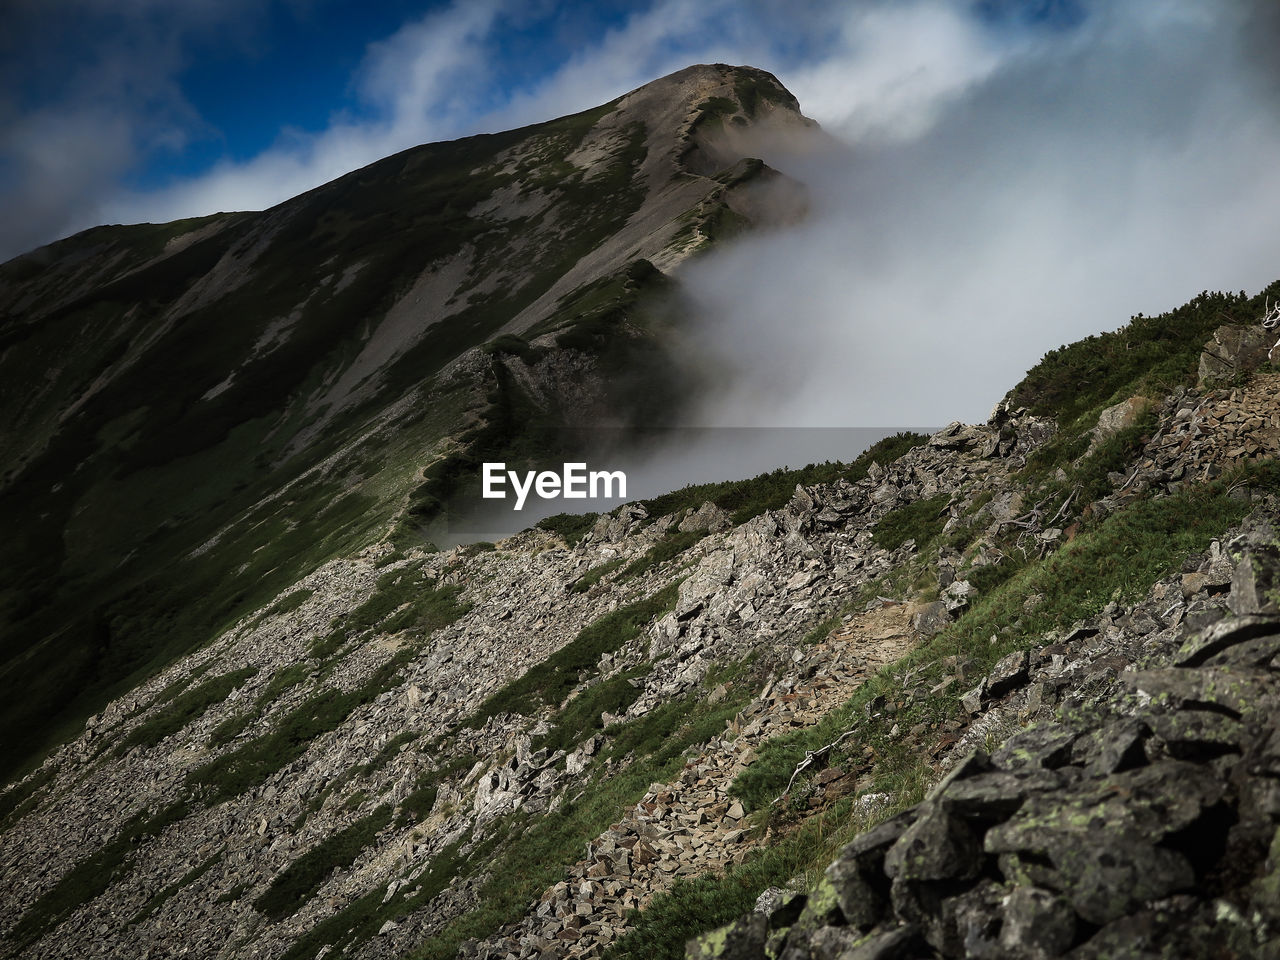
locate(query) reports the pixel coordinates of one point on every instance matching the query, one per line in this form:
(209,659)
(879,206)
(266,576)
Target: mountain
(1003,690)
(200,412)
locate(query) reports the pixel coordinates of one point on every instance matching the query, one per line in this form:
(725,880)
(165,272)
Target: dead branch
(810,758)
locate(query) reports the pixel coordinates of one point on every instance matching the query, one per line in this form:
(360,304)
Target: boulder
(1116,418)
(1234,349)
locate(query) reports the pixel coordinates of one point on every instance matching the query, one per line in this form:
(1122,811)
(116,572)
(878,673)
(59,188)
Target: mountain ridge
(857,708)
(167,386)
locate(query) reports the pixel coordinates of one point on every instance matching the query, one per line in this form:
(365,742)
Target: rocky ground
(1108,785)
(1134,813)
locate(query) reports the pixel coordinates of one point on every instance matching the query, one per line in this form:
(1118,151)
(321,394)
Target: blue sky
(120,110)
(1016,173)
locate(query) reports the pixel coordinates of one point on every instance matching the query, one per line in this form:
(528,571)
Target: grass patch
(1147,355)
(1121,556)
(360,920)
(389,750)
(693,906)
(744,499)
(582,716)
(540,849)
(569,527)
(404,599)
(192,875)
(184,709)
(91,877)
(920,521)
(301,879)
(549,682)
(416,807)
(669,547)
(283,680)
(594,575)
(292,602)
(231,728)
(230,775)
(18,799)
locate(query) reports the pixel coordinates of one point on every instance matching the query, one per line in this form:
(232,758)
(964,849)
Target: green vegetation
(539,848)
(300,880)
(745,499)
(361,920)
(389,750)
(712,113)
(284,678)
(292,602)
(1119,557)
(21,797)
(231,774)
(416,807)
(231,728)
(569,527)
(921,521)
(513,345)
(668,548)
(549,682)
(92,876)
(594,575)
(693,906)
(184,709)
(582,716)
(148,527)
(159,900)
(404,599)
(1147,355)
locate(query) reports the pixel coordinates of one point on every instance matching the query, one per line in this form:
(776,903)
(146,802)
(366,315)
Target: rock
(957,596)
(857,875)
(972,699)
(743,940)
(1008,674)
(1255,583)
(1209,640)
(1234,349)
(707,517)
(1036,924)
(957,436)
(931,618)
(1044,745)
(938,846)
(1112,420)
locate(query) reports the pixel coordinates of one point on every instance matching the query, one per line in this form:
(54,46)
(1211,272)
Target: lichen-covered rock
(1141,822)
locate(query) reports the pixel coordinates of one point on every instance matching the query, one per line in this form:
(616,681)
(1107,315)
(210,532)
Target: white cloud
(1075,183)
(895,68)
(417,81)
(1005,190)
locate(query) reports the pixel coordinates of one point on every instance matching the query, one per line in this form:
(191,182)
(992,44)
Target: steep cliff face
(199,412)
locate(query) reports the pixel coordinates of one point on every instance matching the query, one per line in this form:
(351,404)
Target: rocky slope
(199,413)
(596,740)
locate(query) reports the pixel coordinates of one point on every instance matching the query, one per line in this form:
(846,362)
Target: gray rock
(1234,349)
(1036,924)
(1045,745)
(1008,674)
(1255,582)
(932,618)
(940,845)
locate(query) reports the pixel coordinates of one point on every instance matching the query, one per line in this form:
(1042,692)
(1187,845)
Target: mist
(1022,196)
